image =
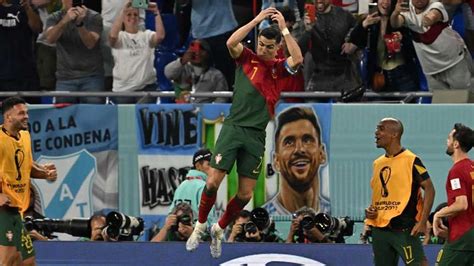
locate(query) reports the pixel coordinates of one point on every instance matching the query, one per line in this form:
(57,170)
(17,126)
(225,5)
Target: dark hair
(271,33)
(294,114)
(243,214)
(201,155)
(303,211)
(8,103)
(207,48)
(464,135)
(184,207)
(287,13)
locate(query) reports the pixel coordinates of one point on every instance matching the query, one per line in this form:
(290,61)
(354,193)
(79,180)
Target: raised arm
(53,33)
(159,27)
(396,19)
(34,20)
(433,16)
(117,26)
(428,198)
(88,38)
(233,43)
(295,58)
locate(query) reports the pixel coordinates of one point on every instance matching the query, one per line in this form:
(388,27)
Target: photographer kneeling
(115,226)
(308,226)
(254,226)
(178,225)
(303,229)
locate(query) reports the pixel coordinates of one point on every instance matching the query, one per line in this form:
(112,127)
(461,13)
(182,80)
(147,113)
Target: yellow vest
(391,197)
(16,161)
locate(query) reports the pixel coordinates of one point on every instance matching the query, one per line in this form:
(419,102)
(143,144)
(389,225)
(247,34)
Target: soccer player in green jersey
(242,138)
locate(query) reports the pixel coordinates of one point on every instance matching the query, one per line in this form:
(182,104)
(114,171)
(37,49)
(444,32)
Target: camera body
(333,228)
(184,219)
(259,222)
(123,227)
(249,227)
(307,222)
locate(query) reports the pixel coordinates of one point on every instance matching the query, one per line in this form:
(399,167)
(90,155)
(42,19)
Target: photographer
(303,229)
(254,226)
(237,227)
(97,224)
(115,226)
(178,225)
(309,227)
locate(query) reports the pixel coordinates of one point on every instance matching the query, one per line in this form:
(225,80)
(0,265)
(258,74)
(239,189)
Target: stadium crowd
(66,45)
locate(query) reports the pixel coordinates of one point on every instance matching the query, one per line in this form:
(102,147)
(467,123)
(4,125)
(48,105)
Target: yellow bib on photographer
(391,187)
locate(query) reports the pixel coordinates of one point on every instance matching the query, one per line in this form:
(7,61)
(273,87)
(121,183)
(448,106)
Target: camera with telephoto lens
(123,227)
(259,221)
(307,223)
(334,228)
(184,219)
(46,226)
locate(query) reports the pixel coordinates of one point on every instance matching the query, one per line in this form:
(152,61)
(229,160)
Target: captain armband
(289,69)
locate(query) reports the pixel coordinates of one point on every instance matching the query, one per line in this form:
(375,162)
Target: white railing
(404,96)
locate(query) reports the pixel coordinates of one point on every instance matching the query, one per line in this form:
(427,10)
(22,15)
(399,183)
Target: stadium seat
(170,22)
(458,21)
(162,58)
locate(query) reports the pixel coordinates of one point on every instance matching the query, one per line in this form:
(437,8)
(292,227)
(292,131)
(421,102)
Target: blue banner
(82,141)
(174,253)
(58,131)
(171,128)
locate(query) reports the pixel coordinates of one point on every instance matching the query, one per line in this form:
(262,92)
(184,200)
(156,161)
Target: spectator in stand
(76,33)
(466,6)
(45,52)
(18,24)
(334,69)
(193,72)
(443,55)
(111,9)
(391,57)
(134,53)
(214,21)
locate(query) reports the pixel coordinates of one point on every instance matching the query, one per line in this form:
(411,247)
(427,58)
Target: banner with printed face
(299,159)
(168,136)
(81,140)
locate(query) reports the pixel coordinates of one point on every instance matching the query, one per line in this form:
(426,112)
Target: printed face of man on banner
(298,155)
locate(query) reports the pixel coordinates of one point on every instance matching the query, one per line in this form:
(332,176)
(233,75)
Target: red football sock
(208,199)
(234,206)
